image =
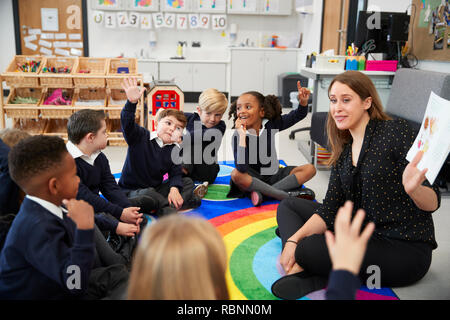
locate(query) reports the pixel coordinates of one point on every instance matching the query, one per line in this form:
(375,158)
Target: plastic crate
(381,65)
(330,62)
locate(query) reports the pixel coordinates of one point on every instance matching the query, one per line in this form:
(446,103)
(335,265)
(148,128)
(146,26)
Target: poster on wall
(271,6)
(144,5)
(107,4)
(174,5)
(218,6)
(242,6)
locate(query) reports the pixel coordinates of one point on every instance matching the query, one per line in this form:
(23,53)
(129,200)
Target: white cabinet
(265,7)
(149,70)
(194,77)
(258,70)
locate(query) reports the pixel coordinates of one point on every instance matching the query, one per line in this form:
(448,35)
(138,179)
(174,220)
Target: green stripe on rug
(241,266)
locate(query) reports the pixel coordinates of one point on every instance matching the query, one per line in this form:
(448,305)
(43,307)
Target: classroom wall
(131,42)
(7,34)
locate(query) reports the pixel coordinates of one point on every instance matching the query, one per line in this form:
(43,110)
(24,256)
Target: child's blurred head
(41,165)
(12,136)
(251,107)
(179,258)
(88,126)
(170,124)
(212,104)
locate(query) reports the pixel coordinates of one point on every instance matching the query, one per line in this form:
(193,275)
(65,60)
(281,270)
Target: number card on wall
(98,16)
(146,21)
(219,22)
(182,21)
(169,20)
(122,19)
(133,19)
(204,21)
(110,20)
(158,20)
(194,21)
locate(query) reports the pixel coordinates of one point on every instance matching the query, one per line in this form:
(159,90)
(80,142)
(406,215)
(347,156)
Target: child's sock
(288,183)
(267,190)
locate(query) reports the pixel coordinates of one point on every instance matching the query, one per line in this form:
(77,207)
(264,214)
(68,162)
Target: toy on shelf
(163,95)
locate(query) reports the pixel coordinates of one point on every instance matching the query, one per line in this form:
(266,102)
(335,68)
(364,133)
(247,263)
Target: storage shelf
(51,119)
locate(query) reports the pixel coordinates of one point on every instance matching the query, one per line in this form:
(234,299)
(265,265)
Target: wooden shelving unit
(104,84)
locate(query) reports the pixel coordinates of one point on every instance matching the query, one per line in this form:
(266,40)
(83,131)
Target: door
(247,71)
(334,25)
(50,27)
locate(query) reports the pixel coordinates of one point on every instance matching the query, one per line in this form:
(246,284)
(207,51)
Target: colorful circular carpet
(253,248)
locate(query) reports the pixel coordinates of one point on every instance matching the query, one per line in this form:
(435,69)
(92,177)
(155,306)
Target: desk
(320,102)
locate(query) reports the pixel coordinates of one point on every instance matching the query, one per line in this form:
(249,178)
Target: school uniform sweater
(9,191)
(41,252)
(260,153)
(96,177)
(197,131)
(147,162)
(342,285)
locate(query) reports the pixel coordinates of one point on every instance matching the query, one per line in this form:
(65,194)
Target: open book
(433,138)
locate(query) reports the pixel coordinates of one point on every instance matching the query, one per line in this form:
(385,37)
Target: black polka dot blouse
(375,184)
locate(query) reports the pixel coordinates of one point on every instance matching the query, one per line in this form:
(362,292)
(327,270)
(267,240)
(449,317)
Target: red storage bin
(381,65)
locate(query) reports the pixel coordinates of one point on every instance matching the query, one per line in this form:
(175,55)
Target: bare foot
(295,269)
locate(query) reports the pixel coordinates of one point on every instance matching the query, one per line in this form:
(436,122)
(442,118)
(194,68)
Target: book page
(433,138)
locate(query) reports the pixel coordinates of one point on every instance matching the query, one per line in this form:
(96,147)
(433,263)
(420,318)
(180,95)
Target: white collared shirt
(77,153)
(57,211)
(263,123)
(154,135)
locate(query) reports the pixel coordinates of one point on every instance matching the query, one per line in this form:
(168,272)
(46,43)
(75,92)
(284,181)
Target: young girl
(179,258)
(369,168)
(257,119)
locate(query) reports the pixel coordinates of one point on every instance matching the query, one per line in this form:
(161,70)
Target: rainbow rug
(253,248)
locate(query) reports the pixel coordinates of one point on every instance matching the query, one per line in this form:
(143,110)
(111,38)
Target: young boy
(151,155)
(205,130)
(86,131)
(49,252)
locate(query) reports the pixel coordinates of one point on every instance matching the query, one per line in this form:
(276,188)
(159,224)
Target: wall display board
(50,27)
(429,36)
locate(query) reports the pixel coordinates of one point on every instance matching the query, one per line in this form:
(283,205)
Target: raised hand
(303,95)
(132,90)
(348,247)
(412,177)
